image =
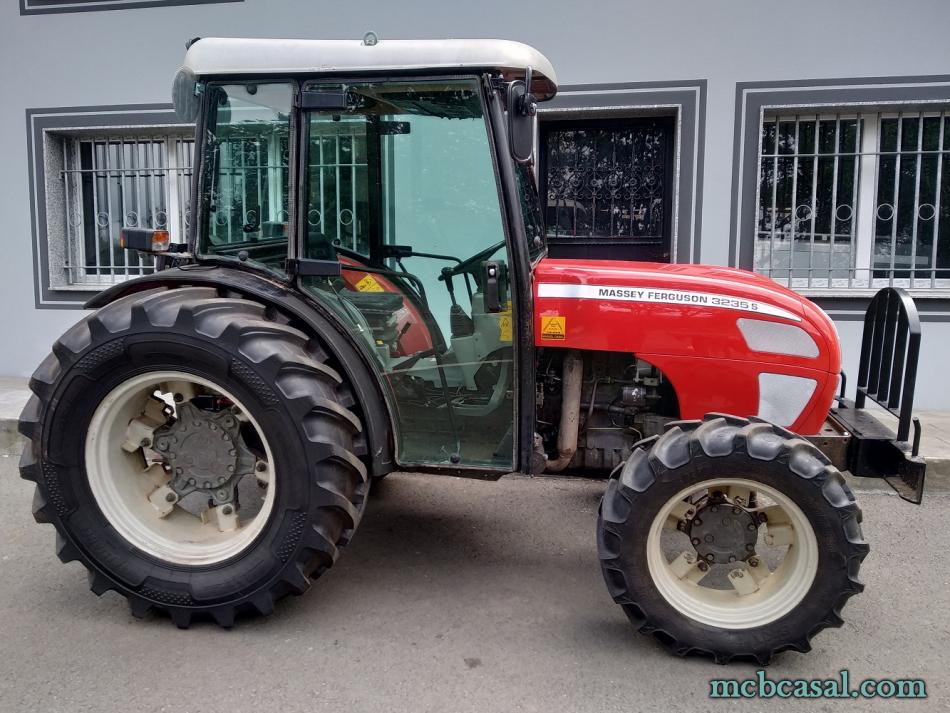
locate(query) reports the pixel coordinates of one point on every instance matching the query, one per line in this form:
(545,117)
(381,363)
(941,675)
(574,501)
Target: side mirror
(185,97)
(522,109)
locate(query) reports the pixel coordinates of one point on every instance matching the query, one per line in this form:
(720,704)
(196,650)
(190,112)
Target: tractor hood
(724,334)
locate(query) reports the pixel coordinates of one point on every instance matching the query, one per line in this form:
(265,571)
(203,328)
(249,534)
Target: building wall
(128,56)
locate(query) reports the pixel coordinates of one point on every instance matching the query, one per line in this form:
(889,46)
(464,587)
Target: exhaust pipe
(573,372)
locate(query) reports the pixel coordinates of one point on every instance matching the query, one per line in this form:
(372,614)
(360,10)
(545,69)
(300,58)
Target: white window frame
(861,281)
(68,270)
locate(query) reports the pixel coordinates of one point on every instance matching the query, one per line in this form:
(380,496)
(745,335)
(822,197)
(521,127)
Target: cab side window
(247,178)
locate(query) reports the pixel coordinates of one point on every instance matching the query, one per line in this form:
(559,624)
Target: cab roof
(214,56)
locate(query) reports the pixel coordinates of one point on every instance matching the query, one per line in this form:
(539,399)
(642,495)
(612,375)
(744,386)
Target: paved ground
(456,595)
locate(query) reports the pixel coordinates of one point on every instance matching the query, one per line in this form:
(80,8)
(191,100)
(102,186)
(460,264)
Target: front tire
(682,529)
(292,415)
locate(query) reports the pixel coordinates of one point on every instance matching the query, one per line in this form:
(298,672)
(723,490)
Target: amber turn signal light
(145,240)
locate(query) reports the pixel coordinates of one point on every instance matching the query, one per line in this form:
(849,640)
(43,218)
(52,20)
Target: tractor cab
(400,198)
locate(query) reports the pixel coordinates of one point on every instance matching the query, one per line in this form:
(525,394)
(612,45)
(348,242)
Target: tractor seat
(379,309)
(378,302)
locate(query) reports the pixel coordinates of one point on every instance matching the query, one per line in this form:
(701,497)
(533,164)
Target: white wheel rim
(121,484)
(777,593)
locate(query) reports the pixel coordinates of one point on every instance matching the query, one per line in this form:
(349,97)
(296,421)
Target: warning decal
(369,284)
(505,324)
(554,327)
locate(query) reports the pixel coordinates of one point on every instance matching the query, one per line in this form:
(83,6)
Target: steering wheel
(466,265)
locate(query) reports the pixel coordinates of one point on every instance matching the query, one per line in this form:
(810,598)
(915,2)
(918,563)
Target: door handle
(492,296)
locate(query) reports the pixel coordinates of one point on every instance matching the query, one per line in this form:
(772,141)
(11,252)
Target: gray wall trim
(687,100)
(65,119)
(852,309)
(33,7)
(753,98)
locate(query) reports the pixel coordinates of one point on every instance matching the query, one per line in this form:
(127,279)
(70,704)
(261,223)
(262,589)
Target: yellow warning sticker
(554,327)
(505,324)
(369,284)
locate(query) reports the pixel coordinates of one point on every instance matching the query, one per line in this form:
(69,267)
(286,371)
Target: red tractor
(365,287)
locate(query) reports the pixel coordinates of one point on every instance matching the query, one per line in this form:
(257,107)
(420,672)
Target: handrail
(890,348)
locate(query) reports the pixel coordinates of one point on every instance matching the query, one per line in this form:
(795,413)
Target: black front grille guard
(887,375)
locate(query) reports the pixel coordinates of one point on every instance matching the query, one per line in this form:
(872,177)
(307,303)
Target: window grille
(338,159)
(116,182)
(251,186)
(854,200)
(608,182)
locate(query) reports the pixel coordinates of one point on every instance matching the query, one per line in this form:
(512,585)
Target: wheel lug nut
(696,540)
(697,521)
(753,562)
(703,567)
(179,471)
(709,538)
(227,509)
(178,398)
(230,468)
(732,558)
(752,526)
(207,484)
(750,547)
(145,443)
(261,466)
(170,497)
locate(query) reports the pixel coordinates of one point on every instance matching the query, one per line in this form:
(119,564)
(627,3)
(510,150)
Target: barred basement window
(855,200)
(120,181)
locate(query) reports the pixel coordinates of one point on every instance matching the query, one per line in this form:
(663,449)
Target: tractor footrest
(874,451)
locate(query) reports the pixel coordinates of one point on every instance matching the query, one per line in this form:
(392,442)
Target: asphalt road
(455,595)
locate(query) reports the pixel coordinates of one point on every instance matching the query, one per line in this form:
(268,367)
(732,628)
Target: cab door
(399,189)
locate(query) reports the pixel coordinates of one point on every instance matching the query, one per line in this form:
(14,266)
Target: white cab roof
(224,56)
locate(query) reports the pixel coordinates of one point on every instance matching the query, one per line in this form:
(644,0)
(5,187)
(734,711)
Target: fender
(349,354)
(693,323)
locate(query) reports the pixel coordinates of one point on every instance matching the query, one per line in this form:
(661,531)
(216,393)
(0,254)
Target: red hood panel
(684,320)
(694,278)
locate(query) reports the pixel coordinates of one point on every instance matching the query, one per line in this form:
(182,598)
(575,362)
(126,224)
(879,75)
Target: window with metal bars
(606,187)
(855,200)
(111,182)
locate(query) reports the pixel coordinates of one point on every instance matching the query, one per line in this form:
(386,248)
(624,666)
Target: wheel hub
(723,532)
(205,452)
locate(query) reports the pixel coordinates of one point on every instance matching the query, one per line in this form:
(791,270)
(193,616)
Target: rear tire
(281,377)
(694,455)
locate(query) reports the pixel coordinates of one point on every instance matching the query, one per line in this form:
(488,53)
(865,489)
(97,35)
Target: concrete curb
(11,442)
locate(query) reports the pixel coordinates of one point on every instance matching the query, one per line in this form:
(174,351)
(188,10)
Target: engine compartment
(623,399)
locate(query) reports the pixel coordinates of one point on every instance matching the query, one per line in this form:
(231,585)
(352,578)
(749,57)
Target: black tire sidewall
(830,580)
(79,394)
